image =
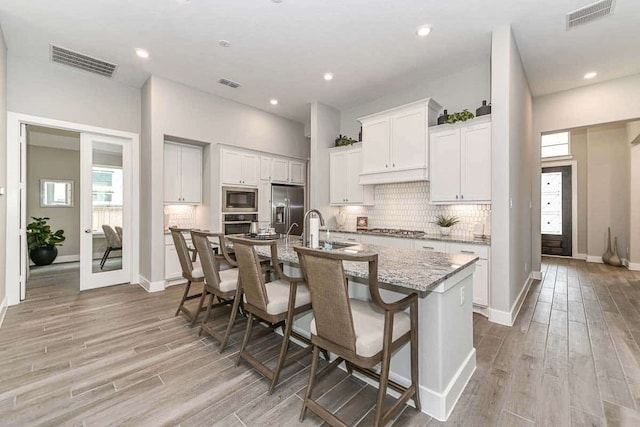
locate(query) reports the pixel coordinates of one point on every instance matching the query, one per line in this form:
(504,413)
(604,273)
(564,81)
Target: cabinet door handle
(456,197)
(386,165)
(428,247)
(462,196)
(351,240)
(394,165)
(468,252)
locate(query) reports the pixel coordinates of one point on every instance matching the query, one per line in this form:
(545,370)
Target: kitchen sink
(337,245)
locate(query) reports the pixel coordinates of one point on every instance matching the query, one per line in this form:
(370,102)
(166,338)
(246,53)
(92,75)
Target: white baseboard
(595,258)
(61,259)
(3,309)
(634,266)
(507,318)
(582,257)
(151,286)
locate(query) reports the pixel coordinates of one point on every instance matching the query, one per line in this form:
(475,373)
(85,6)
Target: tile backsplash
(406,205)
(183,216)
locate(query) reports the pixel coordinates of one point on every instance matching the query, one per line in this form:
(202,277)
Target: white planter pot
(445,231)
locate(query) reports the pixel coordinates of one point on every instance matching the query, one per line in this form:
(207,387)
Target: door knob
(88,230)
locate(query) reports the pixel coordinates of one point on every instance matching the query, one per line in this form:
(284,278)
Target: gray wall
(177,110)
(325,124)
(3,162)
(512,170)
(579,152)
(58,92)
(595,104)
(455,92)
(55,163)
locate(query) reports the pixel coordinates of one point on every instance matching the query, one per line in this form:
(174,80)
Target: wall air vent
(73,59)
(590,13)
(229,83)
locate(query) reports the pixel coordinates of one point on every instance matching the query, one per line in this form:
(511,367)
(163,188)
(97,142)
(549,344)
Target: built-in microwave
(236,199)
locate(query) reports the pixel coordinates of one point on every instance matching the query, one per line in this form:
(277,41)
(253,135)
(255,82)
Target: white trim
(634,266)
(595,258)
(536,275)
(580,256)
(14,121)
(150,286)
(507,318)
(3,309)
(574,193)
(62,259)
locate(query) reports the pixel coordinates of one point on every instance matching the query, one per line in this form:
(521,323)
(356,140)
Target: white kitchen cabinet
(172,268)
(240,168)
(264,201)
(345,165)
(265,168)
(395,145)
(345,237)
(280,171)
(460,162)
(394,242)
(296,172)
(430,245)
(182,174)
(481,275)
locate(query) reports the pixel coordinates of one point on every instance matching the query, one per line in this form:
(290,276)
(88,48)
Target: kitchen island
(444,283)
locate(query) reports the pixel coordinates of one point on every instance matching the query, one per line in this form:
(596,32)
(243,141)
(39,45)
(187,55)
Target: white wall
(634,208)
(633,132)
(3,165)
(579,153)
(455,92)
(511,173)
(600,103)
(173,109)
(55,91)
(325,125)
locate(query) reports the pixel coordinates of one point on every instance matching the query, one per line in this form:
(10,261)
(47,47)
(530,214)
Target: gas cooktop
(397,232)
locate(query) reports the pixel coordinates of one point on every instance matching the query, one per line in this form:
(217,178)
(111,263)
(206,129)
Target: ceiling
(281,50)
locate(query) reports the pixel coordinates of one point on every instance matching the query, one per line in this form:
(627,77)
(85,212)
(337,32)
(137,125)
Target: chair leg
(232,319)
(200,305)
(245,340)
(384,372)
(312,380)
(184,296)
(206,315)
(105,256)
(283,350)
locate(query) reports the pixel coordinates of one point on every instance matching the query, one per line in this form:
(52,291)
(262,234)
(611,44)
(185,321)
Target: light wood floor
(118,356)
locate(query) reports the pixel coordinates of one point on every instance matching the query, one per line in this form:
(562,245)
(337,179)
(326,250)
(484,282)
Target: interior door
(556,211)
(106,194)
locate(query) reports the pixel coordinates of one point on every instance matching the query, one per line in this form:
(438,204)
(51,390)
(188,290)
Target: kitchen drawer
(430,245)
(460,248)
(393,242)
(345,237)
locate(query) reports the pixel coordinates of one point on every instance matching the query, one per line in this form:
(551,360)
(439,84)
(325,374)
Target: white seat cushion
(228,279)
(197,272)
(278,294)
(368,324)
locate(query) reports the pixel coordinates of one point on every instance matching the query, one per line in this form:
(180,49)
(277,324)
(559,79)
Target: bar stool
(220,284)
(189,272)
(274,302)
(361,333)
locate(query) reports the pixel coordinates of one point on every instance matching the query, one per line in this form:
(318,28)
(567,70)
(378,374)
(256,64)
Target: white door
(106,183)
(444,166)
(22,245)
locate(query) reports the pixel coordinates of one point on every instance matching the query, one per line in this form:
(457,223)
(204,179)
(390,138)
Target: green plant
(447,221)
(341,141)
(39,234)
(461,116)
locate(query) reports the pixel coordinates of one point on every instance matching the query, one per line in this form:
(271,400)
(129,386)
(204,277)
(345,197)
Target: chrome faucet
(295,224)
(305,224)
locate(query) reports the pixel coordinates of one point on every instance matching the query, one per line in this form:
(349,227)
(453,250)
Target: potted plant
(42,241)
(445,223)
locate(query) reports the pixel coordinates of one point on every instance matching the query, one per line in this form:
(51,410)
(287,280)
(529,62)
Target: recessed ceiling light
(424,30)
(590,75)
(274,102)
(328,76)
(142,53)
(224,43)
(277,1)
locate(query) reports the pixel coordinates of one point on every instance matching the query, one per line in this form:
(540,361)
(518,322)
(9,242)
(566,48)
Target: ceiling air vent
(82,62)
(590,13)
(229,83)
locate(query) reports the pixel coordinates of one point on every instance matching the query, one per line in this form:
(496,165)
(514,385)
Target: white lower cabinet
(394,242)
(481,275)
(345,237)
(172,268)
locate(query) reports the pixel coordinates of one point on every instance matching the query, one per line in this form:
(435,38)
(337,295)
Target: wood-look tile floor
(117,356)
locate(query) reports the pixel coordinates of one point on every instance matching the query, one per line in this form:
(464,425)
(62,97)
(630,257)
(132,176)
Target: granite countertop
(454,238)
(407,268)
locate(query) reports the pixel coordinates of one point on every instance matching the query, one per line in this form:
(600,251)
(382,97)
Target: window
(107,186)
(555,144)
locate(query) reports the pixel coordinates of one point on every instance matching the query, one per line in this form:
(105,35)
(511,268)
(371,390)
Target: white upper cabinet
(297,172)
(460,162)
(240,168)
(265,168)
(395,143)
(280,170)
(182,174)
(264,201)
(345,165)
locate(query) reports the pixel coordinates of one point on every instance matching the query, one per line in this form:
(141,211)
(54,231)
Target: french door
(556,215)
(106,217)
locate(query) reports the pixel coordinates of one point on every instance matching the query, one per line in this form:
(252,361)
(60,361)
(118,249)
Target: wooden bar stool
(274,302)
(361,333)
(193,274)
(220,284)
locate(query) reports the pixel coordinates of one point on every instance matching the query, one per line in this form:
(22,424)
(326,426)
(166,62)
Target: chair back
(324,274)
(250,271)
(182,250)
(119,232)
(113,241)
(208,258)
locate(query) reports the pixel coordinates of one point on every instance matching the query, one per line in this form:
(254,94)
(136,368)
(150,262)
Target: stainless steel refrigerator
(287,207)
